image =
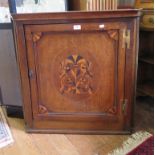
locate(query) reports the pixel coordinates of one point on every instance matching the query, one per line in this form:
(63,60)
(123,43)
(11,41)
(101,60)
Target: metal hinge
(126,39)
(124,105)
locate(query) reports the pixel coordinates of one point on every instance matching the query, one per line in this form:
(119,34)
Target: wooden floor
(45,144)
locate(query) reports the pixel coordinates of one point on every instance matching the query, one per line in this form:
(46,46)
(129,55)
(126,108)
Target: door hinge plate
(126,39)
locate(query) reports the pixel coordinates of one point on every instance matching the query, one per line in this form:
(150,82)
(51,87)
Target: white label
(77,27)
(101,26)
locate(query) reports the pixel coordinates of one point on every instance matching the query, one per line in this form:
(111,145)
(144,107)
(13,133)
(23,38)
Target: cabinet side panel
(23,67)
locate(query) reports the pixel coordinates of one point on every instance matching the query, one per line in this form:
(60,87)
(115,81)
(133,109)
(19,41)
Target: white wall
(9,75)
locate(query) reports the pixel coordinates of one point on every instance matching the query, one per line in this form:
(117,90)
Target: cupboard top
(121,13)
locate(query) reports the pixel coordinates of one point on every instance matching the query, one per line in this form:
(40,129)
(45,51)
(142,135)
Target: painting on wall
(4,11)
(35,6)
(29,6)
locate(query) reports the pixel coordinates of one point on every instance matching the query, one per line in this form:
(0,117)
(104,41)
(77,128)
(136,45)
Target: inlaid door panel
(76,70)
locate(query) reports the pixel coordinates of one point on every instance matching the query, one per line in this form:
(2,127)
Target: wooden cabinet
(146,4)
(77,5)
(78,70)
(146,51)
(147,20)
(146,64)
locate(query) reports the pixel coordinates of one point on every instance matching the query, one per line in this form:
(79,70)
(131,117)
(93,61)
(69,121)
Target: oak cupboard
(78,70)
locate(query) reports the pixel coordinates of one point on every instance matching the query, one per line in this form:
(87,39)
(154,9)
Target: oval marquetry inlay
(76,76)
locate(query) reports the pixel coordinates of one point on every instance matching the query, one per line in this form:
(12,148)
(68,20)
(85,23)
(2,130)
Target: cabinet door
(77,75)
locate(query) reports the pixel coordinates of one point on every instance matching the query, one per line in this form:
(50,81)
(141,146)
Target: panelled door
(76,74)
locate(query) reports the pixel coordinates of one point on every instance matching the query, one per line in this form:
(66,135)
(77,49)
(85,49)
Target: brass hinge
(126,39)
(124,106)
